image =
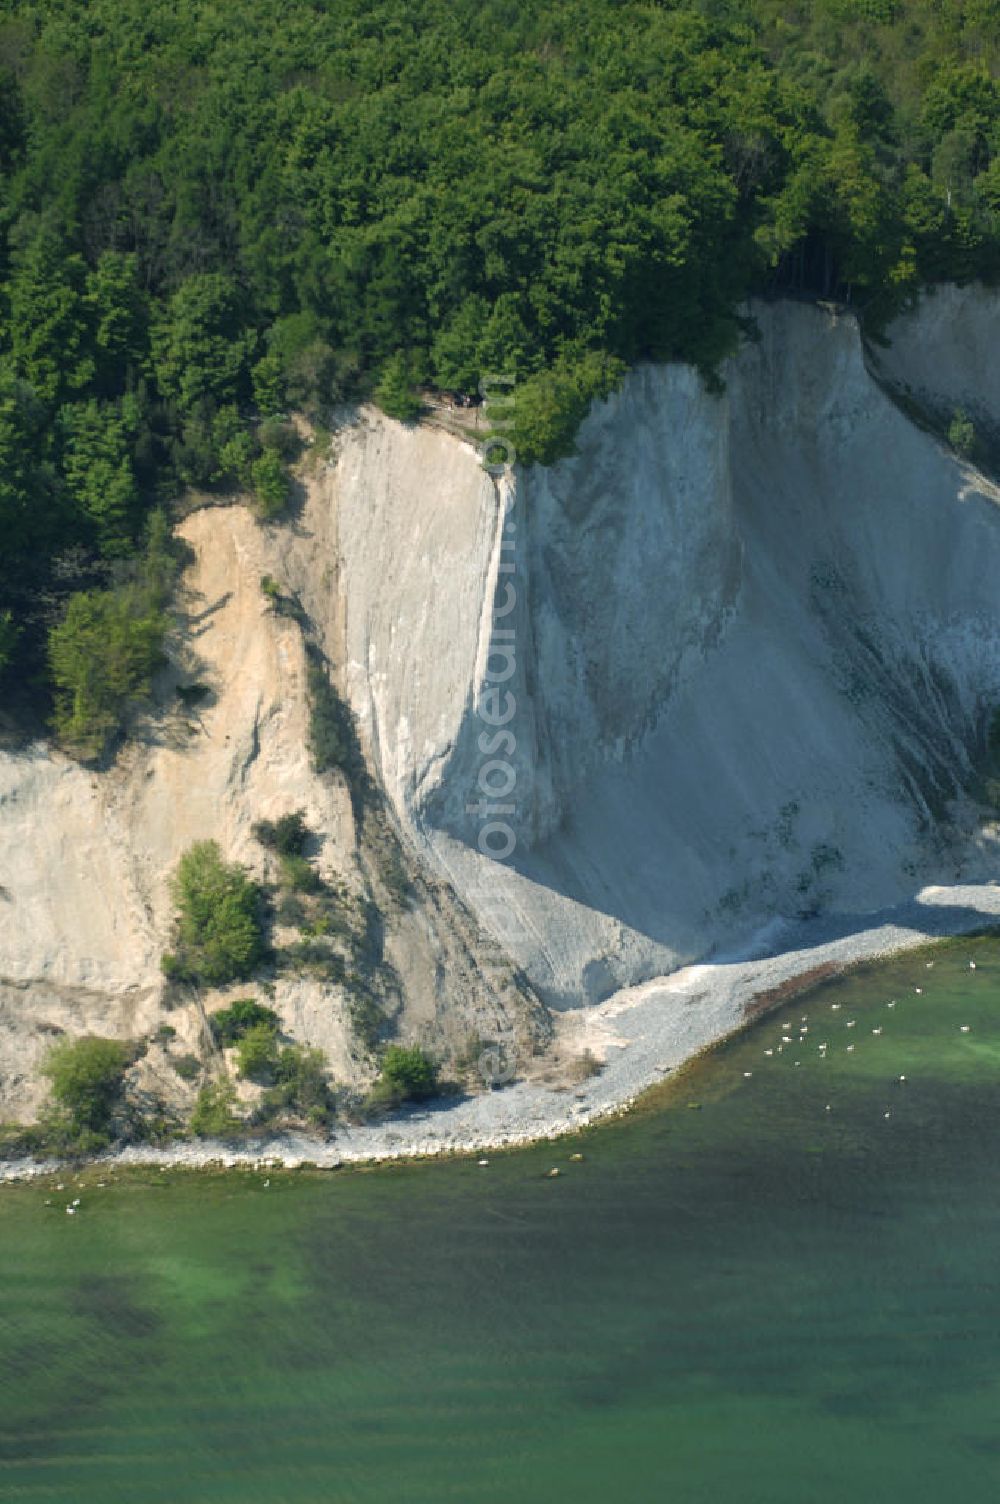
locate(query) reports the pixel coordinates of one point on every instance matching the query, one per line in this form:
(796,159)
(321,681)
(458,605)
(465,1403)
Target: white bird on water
(972,965)
(964,1029)
(918,990)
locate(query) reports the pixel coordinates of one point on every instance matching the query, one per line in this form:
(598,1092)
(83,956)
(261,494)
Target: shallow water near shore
(738,1295)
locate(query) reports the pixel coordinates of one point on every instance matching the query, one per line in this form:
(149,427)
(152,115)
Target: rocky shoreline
(640,1034)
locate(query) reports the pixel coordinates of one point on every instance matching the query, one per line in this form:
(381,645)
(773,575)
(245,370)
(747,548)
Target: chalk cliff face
(941,357)
(750,642)
(729,664)
(86,857)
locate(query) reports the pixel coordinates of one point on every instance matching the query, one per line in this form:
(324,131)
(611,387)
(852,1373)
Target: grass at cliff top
(751,1299)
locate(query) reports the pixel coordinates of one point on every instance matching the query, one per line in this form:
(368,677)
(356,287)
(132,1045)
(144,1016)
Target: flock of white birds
(788,1039)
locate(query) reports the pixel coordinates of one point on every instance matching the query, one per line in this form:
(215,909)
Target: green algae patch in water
(761,1300)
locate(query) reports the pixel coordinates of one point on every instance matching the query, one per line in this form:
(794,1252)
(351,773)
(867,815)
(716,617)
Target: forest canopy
(211,215)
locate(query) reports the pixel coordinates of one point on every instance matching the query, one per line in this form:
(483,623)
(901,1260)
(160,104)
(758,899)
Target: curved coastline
(641,1034)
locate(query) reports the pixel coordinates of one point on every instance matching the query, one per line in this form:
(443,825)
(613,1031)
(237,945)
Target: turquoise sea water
(748,1299)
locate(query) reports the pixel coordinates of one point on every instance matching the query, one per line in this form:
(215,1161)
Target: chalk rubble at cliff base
(640,1035)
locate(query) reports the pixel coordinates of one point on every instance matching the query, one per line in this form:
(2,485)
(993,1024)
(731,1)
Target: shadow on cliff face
(820,751)
(935,920)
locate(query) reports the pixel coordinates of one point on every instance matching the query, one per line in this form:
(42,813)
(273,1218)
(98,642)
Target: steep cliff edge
(86,857)
(940,359)
(730,665)
(751,641)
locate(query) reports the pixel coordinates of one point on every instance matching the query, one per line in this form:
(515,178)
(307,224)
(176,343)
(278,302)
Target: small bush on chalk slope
(86,1077)
(219,937)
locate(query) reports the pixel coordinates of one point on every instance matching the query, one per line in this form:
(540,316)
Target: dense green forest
(212,214)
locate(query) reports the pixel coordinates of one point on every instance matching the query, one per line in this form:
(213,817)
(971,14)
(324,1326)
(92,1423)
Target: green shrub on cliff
(271,484)
(408,1075)
(102,655)
(550,406)
(213,1115)
(287,835)
(86,1079)
(300,1085)
(104,651)
(257,1053)
(333,737)
(230,1024)
(962,434)
(218,933)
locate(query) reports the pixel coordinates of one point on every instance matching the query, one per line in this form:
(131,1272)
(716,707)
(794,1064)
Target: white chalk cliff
(751,641)
(756,641)
(86,857)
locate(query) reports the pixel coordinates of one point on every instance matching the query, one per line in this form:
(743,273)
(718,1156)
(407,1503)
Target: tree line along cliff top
(213,215)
